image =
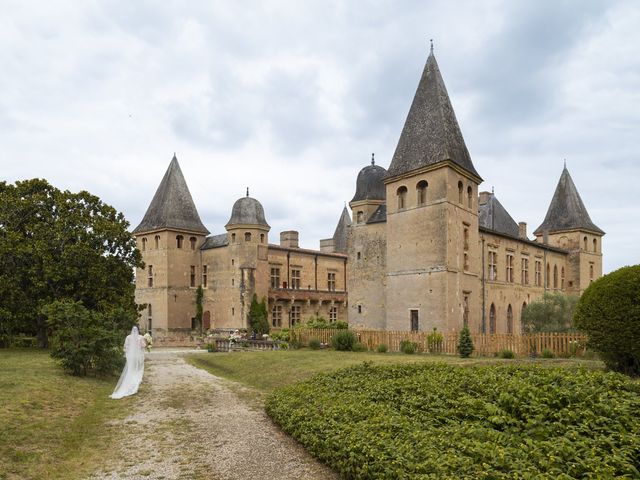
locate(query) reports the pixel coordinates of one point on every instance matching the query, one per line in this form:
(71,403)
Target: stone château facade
(426,248)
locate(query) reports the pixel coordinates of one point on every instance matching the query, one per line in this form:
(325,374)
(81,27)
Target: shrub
(343,340)
(340,325)
(609,313)
(429,420)
(382,348)
(408,347)
(552,313)
(434,341)
(211,347)
(359,347)
(506,353)
(546,353)
(316,321)
(294,344)
(314,344)
(283,335)
(465,344)
(84,341)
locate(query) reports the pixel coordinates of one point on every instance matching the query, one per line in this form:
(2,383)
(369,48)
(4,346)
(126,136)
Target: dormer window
(179,239)
(402,197)
(421,190)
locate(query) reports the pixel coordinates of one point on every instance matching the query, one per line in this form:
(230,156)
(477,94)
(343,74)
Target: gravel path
(189,424)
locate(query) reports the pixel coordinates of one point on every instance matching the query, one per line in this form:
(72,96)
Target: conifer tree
(465,344)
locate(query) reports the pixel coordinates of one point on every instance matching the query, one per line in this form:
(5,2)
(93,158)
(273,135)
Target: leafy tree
(57,245)
(85,341)
(465,344)
(552,313)
(609,313)
(258,316)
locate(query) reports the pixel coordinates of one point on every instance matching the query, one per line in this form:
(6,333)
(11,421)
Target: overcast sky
(290,98)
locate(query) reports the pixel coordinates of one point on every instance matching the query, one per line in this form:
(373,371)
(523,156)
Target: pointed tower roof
(431,133)
(342,230)
(172,206)
(567,212)
(494,216)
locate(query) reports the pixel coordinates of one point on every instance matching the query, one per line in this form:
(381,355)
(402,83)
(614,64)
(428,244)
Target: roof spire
(492,190)
(373,159)
(247,191)
(565,163)
(431,40)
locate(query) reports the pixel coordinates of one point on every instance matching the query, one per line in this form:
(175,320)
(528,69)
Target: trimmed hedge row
(442,421)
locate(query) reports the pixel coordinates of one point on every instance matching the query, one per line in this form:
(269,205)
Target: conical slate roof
(370,185)
(566,212)
(342,230)
(247,211)
(494,216)
(172,206)
(431,133)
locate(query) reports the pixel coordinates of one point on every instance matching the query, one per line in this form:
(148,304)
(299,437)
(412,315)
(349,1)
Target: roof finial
(174,154)
(492,190)
(373,159)
(565,163)
(431,40)
(247,191)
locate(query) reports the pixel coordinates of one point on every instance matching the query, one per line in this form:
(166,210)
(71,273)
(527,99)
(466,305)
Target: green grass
(52,425)
(267,370)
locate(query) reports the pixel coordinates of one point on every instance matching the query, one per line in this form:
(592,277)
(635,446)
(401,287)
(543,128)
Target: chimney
(289,239)
(522,230)
(484,197)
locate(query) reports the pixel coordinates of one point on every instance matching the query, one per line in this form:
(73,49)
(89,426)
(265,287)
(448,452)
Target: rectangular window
(525,271)
(294,315)
(466,261)
(493,265)
(538,273)
(205,271)
(509,268)
(276,316)
(295,279)
(150,275)
(414,321)
(331,281)
(466,238)
(192,276)
(333,314)
(275,277)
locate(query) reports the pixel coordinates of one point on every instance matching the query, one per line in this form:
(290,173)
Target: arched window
(522,326)
(585,243)
(421,190)
(359,216)
(247,236)
(179,239)
(492,319)
(562,278)
(595,245)
(144,244)
(547,280)
(402,197)
(555,276)
(460,192)
(157,239)
(192,241)
(262,238)
(233,238)
(509,320)
(469,197)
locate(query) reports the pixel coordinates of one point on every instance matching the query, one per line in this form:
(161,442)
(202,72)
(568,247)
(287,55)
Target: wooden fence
(561,344)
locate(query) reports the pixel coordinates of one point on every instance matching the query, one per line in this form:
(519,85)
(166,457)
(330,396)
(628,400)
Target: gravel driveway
(189,424)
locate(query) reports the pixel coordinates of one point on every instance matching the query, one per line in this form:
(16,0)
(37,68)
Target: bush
(314,344)
(434,341)
(408,347)
(294,344)
(465,344)
(382,348)
(340,325)
(283,335)
(552,313)
(343,340)
(85,341)
(609,313)
(429,420)
(359,347)
(211,347)
(546,353)
(506,353)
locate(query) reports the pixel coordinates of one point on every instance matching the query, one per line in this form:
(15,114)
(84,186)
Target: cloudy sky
(291,98)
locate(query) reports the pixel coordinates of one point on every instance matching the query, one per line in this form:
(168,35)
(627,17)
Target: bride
(134,367)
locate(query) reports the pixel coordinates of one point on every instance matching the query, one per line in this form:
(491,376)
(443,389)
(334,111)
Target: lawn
(267,370)
(52,425)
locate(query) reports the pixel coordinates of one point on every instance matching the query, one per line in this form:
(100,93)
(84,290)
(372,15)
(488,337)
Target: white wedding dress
(134,367)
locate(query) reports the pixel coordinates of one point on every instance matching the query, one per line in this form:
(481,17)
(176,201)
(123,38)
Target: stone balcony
(307,295)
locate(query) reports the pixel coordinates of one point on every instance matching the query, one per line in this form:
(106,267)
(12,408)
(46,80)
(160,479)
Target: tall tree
(552,313)
(59,245)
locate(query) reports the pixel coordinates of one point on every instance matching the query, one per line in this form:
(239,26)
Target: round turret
(369,185)
(247,211)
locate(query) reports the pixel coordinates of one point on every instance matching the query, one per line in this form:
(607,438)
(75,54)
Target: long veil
(134,367)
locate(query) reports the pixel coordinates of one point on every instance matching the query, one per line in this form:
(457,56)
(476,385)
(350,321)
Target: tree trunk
(43,339)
